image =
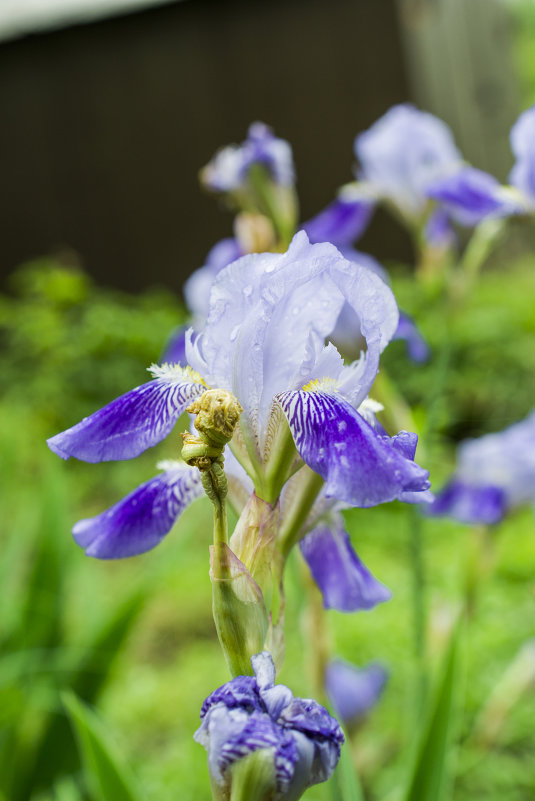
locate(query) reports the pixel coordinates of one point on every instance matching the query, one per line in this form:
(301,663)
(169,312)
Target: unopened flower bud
(252,724)
(254,232)
(218,412)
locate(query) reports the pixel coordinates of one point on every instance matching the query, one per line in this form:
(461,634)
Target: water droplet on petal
(234,333)
(248,290)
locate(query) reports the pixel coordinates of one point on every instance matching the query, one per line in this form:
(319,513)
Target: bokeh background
(108,112)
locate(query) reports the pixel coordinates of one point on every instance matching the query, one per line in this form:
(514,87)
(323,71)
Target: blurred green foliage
(67,346)
(136,637)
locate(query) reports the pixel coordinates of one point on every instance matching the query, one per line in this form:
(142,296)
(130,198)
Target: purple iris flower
(354,691)
(470,196)
(494,473)
(265,341)
(402,154)
(228,169)
(523,146)
(248,714)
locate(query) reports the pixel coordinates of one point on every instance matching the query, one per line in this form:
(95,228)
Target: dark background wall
(105,126)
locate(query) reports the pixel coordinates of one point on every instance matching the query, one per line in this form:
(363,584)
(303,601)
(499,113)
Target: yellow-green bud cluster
(217,413)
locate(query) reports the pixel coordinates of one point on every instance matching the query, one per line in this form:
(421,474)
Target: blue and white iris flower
(266,339)
(250,714)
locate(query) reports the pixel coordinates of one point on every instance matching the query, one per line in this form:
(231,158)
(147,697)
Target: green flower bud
(239,610)
(218,412)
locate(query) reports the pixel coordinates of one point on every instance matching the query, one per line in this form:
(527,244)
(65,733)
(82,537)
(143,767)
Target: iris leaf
(106,775)
(428,776)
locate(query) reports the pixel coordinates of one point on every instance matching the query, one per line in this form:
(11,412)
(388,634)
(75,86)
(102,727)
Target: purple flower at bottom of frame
(227,170)
(354,691)
(249,714)
(494,473)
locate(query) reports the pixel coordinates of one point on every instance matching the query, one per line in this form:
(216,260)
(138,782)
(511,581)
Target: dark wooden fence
(104,126)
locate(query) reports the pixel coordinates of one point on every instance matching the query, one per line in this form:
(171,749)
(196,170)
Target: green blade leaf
(55,753)
(427,778)
(106,774)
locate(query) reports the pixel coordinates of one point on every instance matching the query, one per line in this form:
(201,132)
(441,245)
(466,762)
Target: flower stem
(215,485)
(293,522)
(283,461)
(419,608)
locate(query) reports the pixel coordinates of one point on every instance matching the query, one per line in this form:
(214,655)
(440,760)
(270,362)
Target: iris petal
(522,138)
(345,582)
(418,350)
(273,313)
(131,423)
(471,195)
(354,691)
(141,520)
(342,222)
(360,466)
(469,503)
(175,348)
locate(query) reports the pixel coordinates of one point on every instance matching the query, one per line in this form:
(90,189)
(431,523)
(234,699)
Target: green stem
(215,485)
(419,608)
(280,465)
(478,565)
(292,525)
(416,550)
(481,243)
